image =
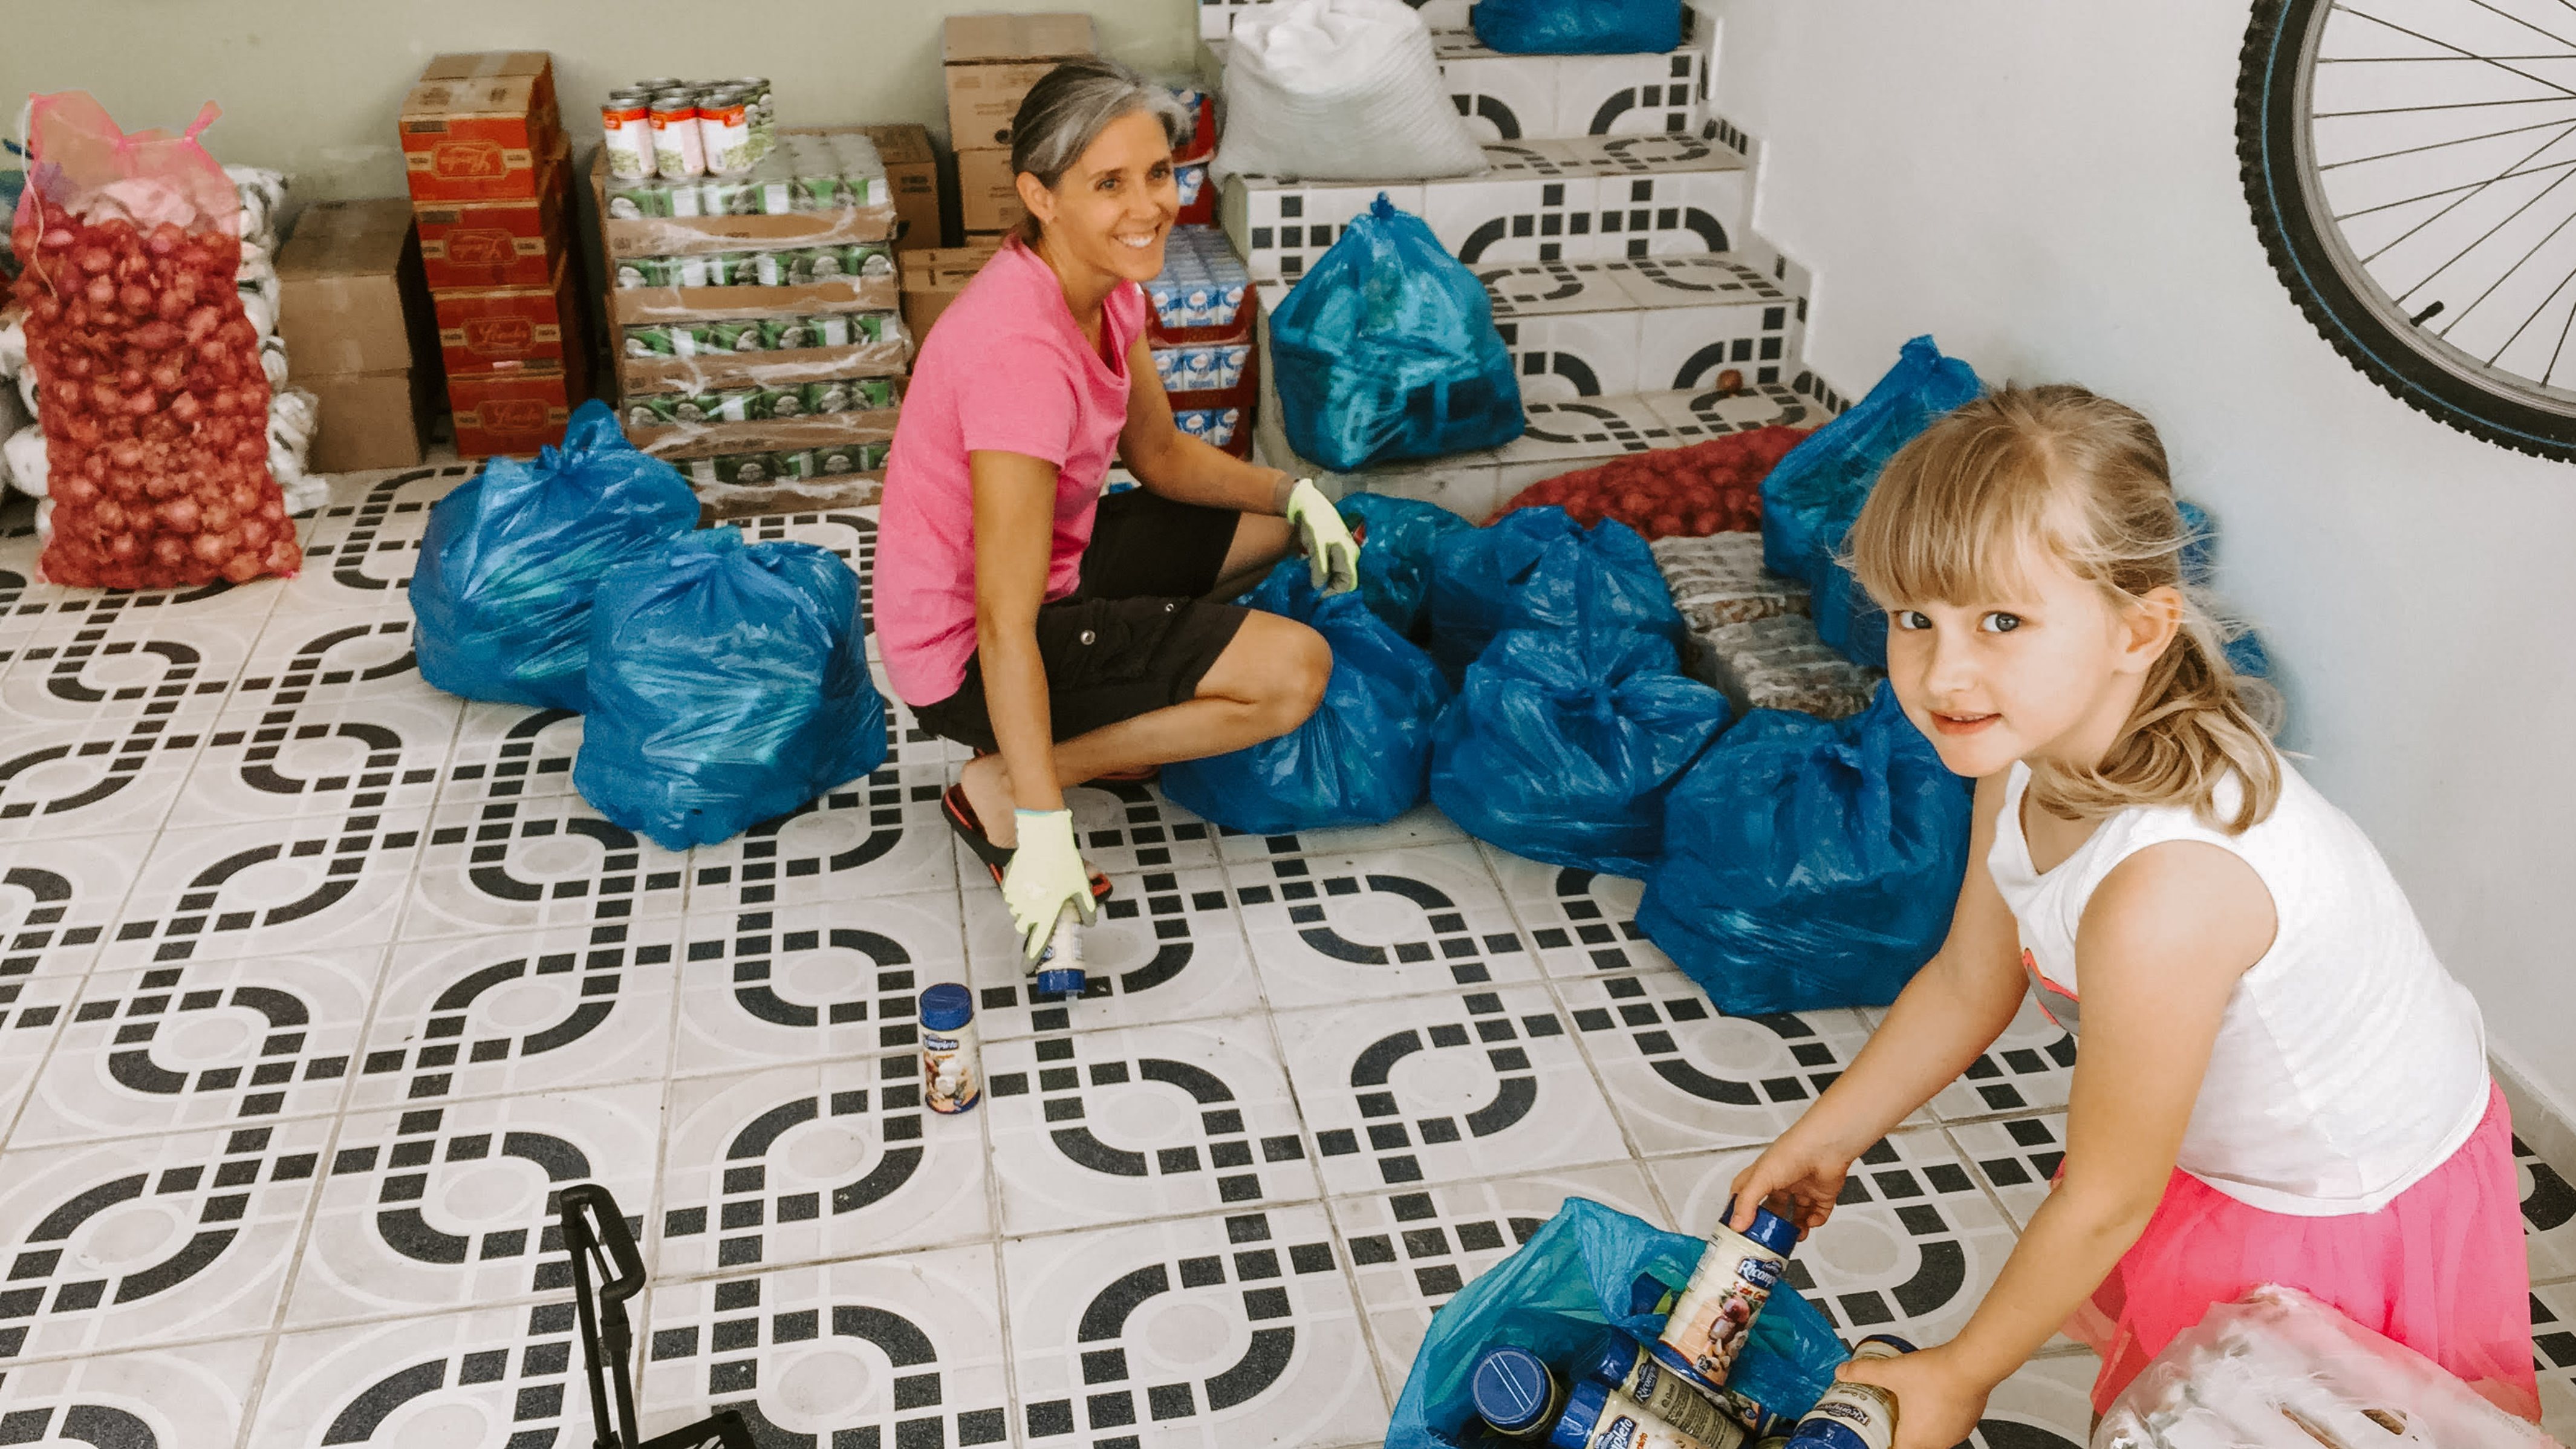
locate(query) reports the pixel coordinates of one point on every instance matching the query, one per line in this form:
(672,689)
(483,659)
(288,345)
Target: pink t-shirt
(1010,372)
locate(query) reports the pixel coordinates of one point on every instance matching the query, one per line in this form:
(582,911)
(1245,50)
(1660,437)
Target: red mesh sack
(149,387)
(1710,487)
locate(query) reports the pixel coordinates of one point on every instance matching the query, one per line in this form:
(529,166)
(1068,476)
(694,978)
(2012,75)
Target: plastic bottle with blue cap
(1618,1361)
(1714,1318)
(1597,1416)
(952,1078)
(1515,1394)
(1059,969)
(1851,1415)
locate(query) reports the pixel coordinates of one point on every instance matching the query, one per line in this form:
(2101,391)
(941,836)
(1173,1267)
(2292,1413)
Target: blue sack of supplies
(1577,27)
(1565,742)
(1810,863)
(1811,498)
(1536,568)
(728,684)
(1586,1270)
(1359,759)
(501,597)
(2244,648)
(1386,349)
(1397,539)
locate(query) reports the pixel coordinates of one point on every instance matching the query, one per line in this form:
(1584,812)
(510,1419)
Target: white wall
(2051,191)
(312,86)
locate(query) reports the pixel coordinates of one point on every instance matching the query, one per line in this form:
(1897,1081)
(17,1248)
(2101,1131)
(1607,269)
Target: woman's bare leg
(1260,540)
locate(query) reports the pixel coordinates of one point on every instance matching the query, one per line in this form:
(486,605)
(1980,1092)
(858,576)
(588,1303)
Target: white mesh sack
(1339,90)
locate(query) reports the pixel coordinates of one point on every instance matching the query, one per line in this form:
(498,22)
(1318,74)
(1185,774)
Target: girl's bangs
(1953,519)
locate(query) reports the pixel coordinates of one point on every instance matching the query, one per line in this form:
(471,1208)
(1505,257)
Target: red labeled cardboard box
(512,412)
(484,134)
(510,329)
(487,244)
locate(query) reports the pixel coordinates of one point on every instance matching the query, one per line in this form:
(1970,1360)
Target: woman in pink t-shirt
(1064,636)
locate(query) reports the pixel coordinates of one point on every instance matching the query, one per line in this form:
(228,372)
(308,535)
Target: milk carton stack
(1201,334)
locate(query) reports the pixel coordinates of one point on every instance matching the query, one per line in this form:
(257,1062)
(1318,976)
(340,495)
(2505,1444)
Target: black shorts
(1136,634)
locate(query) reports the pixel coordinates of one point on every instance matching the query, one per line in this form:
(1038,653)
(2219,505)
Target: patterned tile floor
(314,981)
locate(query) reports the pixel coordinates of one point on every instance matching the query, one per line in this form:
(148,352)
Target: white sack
(26,450)
(27,392)
(1339,89)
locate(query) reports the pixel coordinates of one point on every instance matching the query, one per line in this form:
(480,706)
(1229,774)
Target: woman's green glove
(1332,556)
(1045,875)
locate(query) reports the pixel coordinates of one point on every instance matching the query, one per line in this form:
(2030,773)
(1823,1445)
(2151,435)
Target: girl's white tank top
(2349,1064)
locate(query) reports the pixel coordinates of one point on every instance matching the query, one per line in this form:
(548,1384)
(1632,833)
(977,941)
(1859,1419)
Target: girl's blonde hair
(2085,478)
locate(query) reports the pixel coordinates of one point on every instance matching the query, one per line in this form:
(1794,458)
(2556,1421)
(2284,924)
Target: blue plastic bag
(1586,1269)
(1536,568)
(1810,863)
(1577,27)
(1810,500)
(2244,648)
(727,685)
(1399,536)
(1565,742)
(501,597)
(1359,759)
(1386,349)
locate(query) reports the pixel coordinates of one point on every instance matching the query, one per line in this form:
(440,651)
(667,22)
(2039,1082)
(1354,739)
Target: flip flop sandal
(997,858)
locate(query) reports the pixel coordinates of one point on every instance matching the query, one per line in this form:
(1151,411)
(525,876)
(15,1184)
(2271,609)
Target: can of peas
(737,335)
(785,402)
(827,397)
(654,410)
(872,394)
(785,334)
(648,341)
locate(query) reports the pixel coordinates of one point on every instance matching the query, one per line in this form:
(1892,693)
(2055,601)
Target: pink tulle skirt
(2443,1270)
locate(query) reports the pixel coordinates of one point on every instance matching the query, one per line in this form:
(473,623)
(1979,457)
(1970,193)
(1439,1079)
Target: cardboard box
(480,127)
(993,60)
(512,412)
(988,194)
(932,280)
(912,170)
(509,329)
(371,419)
(351,295)
(485,244)
(536,65)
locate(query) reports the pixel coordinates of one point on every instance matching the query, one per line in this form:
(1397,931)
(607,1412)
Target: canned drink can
(872,394)
(868,259)
(870,326)
(784,402)
(735,336)
(626,127)
(830,329)
(745,468)
(654,410)
(681,198)
(777,198)
(678,149)
(826,264)
(873,455)
(786,334)
(817,193)
(732,269)
(693,409)
(634,272)
(696,271)
(793,463)
(738,405)
(648,341)
(827,397)
(725,132)
(777,268)
(694,339)
(725,196)
(836,460)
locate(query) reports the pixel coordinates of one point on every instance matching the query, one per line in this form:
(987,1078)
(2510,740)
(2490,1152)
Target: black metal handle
(589,1205)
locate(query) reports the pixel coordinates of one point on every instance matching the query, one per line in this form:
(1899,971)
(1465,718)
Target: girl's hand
(1938,1403)
(1810,1178)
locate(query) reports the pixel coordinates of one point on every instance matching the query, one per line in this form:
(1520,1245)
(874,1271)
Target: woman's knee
(1306,668)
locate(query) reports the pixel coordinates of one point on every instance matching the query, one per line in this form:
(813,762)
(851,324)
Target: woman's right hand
(1809,1175)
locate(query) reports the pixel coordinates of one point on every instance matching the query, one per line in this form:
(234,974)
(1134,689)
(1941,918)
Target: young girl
(2278,1081)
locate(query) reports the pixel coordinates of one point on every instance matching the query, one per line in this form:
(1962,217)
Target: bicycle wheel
(2411,165)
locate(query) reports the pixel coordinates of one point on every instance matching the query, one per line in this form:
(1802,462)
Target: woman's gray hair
(1068,109)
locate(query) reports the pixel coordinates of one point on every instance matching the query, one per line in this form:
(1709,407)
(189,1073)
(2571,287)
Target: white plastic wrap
(2278,1370)
(27,392)
(1339,89)
(261,313)
(294,415)
(44,521)
(13,346)
(272,358)
(263,195)
(26,450)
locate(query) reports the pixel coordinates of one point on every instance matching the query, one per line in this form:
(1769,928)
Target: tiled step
(1585,329)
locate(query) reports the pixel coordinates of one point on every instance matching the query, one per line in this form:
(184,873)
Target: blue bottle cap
(1769,1229)
(946,1007)
(1899,1344)
(1058,982)
(1611,1360)
(1511,1389)
(1582,1410)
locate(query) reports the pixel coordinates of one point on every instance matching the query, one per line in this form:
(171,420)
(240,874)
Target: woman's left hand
(1938,1402)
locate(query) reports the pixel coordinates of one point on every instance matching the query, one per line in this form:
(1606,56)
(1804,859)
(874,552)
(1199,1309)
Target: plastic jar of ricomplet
(1515,1394)
(1714,1319)
(1850,1415)
(1618,1361)
(952,1076)
(1597,1416)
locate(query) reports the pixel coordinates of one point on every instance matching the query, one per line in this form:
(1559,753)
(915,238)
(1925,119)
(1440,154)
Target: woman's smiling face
(1114,206)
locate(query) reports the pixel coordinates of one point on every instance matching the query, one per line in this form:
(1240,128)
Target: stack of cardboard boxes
(354,315)
(992,61)
(490,170)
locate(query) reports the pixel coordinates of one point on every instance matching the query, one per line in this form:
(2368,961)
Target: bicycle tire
(2270,70)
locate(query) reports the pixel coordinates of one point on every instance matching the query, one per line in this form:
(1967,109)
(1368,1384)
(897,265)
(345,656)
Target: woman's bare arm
(1014,542)
(1170,462)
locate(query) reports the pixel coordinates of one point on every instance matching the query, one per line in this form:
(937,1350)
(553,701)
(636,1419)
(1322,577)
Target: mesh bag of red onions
(149,386)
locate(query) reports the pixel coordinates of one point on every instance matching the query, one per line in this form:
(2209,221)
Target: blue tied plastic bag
(728,684)
(1566,741)
(501,597)
(1586,1269)
(1536,568)
(1398,537)
(1810,863)
(1359,759)
(1577,27)
(1386,349)
(1810,500)
(2244,648)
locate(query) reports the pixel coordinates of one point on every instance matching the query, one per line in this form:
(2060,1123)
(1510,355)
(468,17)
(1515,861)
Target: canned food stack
(759,344)
(1200,331)
(491,176)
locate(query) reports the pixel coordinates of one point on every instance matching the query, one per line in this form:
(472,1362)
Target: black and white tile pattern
(317,984)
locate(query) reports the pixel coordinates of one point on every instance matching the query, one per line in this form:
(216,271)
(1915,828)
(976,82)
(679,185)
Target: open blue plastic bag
(1398,538)
(501,597)
(1810,863)
(1586,1269)
(1536,568)
(1359,759)
(1386,349)
(728,684)
(1577,27)
(1565,742)
(1811,498)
